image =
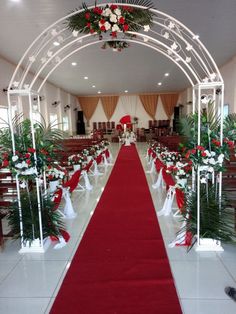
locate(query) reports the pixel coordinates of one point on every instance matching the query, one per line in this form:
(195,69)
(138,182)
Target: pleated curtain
(109,104)
(169,101)
(88,105)
(149,103)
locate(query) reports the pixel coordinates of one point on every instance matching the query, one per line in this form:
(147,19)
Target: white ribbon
(95,172)
(68,209)
(159,180)
(152,167)
(167,207)
(88,186)
(180,238)
(61,243)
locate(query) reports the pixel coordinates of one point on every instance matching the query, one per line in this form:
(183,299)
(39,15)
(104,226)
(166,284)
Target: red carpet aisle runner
(121,265)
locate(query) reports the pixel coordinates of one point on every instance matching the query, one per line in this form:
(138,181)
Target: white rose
(208,153)
(212,161)
(115,28)
(205,160)
(15,158)
(107,26)
(117,12)
(106,12)
(213,154)
(113,18)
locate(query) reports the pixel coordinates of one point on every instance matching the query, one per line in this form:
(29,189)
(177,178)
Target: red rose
(27,155)
(91,30)
(230,144)
(193,151)
(187,155)
(121,20)
(203,154)
(199,147)
(97,10)
(113,34)
(125,27)
(87,15)
(113,7)
(102,21)
(31,150)
(28,161)
(5,163)
(50,177)
(102,28)
(88,24)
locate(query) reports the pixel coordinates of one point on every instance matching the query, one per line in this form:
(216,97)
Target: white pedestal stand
(35,246)
(207,244)
(88,186)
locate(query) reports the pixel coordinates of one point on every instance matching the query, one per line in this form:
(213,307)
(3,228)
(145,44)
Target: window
(4,117)
(65,125)
(225,110)
(53,120)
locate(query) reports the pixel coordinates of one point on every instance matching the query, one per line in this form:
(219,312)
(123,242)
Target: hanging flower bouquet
(116,45)
(111,19)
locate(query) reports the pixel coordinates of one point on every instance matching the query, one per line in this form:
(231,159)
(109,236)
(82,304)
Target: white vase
(76,167)
(53,185)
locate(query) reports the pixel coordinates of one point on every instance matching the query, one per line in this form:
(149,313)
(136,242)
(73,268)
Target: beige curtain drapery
(169,101)
(109,104)
(149,104)
(88,105)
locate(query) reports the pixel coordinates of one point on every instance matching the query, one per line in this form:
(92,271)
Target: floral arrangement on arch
(77,159)
(111,18)
(55,172)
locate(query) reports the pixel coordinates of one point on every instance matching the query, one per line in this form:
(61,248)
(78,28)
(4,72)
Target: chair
(94,125)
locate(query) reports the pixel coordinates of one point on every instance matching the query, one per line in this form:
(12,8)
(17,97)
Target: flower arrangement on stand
(28,164)
(208,159)
(77,159)
(170,158)
(111,19)
(181,172)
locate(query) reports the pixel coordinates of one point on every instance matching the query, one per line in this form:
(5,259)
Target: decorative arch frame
(167,36)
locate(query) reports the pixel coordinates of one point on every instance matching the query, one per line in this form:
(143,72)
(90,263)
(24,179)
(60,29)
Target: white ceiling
(136,69)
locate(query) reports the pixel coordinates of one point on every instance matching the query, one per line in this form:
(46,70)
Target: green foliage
(51,220)
(216,221)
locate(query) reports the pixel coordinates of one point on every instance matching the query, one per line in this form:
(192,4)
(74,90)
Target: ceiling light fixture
(74,64)
(126,91)
(99,92)
(93,86)
(160,83)
(85,77)
(56,43)
(167,74)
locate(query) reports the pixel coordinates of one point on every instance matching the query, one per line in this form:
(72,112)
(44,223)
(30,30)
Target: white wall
(49,92)
(228,72)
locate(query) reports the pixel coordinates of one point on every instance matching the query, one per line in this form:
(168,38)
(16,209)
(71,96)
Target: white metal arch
(167,36)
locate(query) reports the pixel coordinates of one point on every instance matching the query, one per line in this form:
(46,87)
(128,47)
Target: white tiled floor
(29,282)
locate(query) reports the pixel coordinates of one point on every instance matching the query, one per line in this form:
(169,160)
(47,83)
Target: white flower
(23,185)
(221,158)
(210,169)
(213,154)
(15,158)
(115,28)
(107,26)
(113,18)
(29,172)
(203,180)
(106,12)
(117,12)
(212,161)
(207,153)
(181,171)
(205,160)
